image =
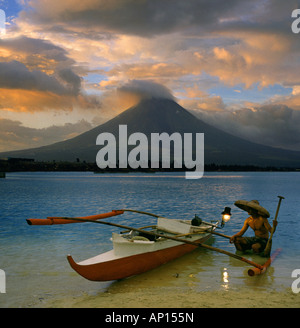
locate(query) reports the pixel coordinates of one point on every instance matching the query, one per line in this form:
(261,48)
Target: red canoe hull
(132,265)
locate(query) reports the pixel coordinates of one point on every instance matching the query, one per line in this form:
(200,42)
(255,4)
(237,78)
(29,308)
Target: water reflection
(225,279)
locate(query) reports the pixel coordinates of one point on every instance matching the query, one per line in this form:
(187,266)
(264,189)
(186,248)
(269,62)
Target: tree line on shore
(30,165)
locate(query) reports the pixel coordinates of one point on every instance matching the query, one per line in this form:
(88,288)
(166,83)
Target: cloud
(256,57)
(35,54)
(32,46)
(292,100)
(15,136)
(274,125)
(205,103)
(36,75)
(28,63)
(198,99)
(239,42)
(148,70)
(146,89)
(15,75)
(70,78)
(133,17)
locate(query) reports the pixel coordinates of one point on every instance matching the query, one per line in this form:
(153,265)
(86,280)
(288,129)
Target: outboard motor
(196,221)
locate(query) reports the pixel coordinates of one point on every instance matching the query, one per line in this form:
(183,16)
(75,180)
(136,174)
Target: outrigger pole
(257,271)
(50,220)
(141,212)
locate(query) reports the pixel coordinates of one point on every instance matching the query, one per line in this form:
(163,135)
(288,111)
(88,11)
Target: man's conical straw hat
(253,204)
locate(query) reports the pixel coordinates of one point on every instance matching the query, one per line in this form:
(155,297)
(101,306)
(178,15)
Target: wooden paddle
(172,238)
(268,248)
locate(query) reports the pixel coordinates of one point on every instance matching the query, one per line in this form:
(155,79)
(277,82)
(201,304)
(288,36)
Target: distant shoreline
(30,165)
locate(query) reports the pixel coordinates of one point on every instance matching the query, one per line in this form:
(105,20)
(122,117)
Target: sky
(68,66)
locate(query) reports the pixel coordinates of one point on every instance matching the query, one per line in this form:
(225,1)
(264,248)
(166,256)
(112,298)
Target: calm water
(34,257)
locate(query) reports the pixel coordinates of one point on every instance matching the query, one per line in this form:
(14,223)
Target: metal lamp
(226,214)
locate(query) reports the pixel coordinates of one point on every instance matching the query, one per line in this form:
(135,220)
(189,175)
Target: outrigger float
(137,250)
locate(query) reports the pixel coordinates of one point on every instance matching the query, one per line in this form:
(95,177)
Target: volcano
(156,115)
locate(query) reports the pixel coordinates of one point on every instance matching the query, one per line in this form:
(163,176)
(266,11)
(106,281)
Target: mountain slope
(163,115)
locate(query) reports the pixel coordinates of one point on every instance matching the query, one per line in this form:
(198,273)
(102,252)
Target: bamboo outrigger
(50,220)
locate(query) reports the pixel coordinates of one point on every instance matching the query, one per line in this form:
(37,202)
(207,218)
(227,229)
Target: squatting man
(258,221)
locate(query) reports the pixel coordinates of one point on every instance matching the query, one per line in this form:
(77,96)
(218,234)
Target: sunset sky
(69,65)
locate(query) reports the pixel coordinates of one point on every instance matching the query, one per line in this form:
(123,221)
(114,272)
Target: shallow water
(34,257)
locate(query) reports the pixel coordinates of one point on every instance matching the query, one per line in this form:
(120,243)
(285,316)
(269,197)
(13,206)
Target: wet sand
(184,298)
(185,284)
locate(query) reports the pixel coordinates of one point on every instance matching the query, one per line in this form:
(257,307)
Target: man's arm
(241,232)
(268,226)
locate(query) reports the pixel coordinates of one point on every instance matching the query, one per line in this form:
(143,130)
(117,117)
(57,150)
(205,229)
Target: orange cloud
(292,101)
(33,100)
(36,75)
(205,103)
(252,57)
(148,70)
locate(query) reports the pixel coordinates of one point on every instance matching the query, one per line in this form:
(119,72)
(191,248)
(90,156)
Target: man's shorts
(254,240)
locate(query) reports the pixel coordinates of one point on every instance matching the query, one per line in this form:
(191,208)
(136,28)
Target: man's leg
(241,244)
(259,245)
(256,248)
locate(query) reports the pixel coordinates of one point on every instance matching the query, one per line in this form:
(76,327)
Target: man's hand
(274,225)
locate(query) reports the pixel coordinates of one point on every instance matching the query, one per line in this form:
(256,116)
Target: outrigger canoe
(135,252)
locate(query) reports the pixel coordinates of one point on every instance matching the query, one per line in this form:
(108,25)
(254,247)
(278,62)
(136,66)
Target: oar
(173,238)
(267,250)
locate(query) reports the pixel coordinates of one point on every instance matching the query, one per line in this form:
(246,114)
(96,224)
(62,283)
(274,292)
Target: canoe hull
(125,267)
